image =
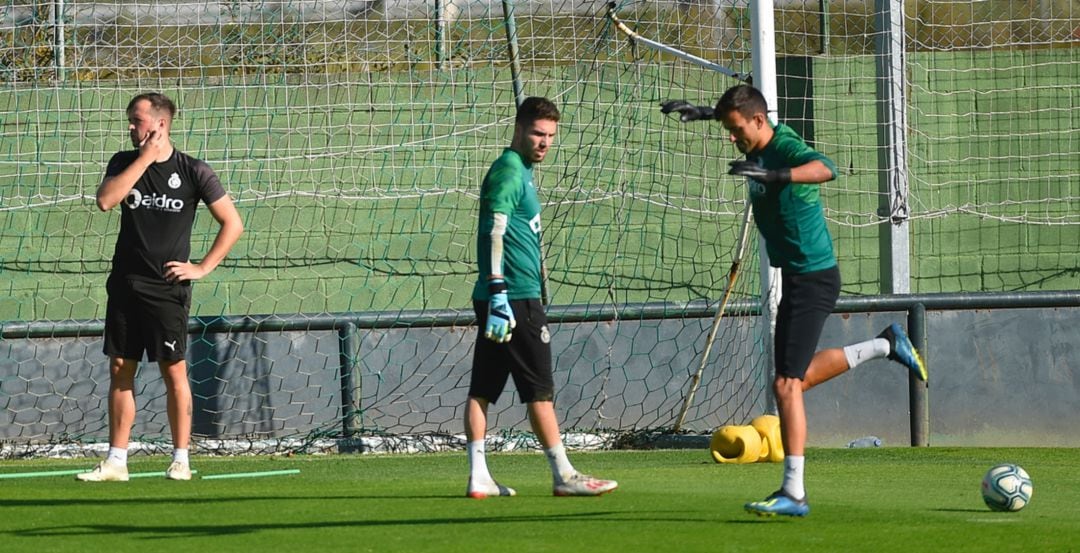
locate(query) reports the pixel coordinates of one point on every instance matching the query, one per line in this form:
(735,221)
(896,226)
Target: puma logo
(171,345)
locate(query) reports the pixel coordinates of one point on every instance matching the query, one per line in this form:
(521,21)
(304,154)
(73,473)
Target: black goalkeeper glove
(752,170)
(687,111)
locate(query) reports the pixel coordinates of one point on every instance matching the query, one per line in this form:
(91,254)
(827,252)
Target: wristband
(496,286)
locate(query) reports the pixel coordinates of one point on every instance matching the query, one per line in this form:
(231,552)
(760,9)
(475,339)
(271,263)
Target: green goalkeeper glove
(687,111)
(765,176)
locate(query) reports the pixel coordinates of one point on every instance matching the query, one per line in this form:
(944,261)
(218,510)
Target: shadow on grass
(757,520)
(152,532)
(79,501)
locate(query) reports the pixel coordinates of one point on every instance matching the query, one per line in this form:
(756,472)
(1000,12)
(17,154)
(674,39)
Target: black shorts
(146,316)
(526,357)
(807,301)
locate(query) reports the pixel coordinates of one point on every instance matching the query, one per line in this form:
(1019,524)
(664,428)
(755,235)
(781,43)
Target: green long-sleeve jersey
(508,190)
(791,216)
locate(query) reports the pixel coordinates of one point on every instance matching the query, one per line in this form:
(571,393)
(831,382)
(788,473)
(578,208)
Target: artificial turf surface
(891,499)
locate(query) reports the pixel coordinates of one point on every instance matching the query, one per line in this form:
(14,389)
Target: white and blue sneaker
(903,351)
(779,503)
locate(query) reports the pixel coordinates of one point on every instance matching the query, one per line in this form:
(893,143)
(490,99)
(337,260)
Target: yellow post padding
(736,444)
(772,446)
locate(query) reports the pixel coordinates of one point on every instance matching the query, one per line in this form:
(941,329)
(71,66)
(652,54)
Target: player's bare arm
(152,147)
(224,211)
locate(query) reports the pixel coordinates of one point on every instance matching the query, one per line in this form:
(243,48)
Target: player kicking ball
(784,175)
(506,300)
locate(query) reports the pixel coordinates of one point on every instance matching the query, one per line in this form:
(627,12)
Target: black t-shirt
(157,215)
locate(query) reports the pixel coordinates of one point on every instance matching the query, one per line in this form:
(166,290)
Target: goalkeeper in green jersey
(513,338)
(784,175)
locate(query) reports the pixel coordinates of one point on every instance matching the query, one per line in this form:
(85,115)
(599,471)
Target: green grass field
(894,499)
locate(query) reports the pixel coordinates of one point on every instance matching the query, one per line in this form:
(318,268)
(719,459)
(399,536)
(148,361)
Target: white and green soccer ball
(1006,487)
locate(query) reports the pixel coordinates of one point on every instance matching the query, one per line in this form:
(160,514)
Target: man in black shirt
(158,189)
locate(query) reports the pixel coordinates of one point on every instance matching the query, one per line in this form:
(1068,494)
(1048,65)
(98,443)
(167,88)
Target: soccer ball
(1006,487)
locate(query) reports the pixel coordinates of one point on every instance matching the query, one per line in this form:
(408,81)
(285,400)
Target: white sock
(561,469)
(478,470)
(856,354)
(793,476)
(117,456)
(180,455)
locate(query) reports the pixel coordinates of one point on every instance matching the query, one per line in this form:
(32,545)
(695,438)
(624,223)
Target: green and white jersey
(790,216)
(508,189)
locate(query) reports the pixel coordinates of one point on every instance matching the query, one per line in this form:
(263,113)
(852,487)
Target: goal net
(353,137)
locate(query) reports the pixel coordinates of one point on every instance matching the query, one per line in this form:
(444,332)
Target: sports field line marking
(251,474)
(46,473)
(40,474)
(152,474)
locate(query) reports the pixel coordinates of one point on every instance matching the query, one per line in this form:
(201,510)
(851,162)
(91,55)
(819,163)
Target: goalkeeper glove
(687,111)
(500,321)
(765,176)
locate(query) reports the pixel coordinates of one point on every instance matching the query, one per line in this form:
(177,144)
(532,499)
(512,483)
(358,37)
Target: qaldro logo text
(153,201)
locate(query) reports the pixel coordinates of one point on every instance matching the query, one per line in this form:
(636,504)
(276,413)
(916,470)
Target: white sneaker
(489,489)
(583,484)
(105,472)
(178,471)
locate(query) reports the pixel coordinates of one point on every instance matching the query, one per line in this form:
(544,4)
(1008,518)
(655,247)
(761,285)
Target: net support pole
(763,47)
(58,40)
(348,354)
(446,12)
(763,36)
(918,391)
(733,275)
(823,21)
(889,62)
(440,33)
(513,51)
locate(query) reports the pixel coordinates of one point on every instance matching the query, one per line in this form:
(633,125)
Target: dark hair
(535,108)
(158,101)
(745,99)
